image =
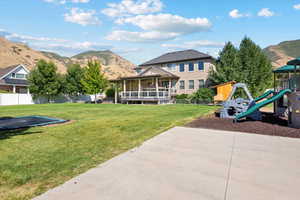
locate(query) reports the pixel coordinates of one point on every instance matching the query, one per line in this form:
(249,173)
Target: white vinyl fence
(15,99)
(25,99)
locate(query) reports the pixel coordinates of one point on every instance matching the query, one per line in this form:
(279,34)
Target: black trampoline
(11,123)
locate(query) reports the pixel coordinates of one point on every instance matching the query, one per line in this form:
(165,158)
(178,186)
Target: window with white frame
(181,67)
(182,85)
(191,67)
(191,84)
(201,66)
(201,83)
(171,66)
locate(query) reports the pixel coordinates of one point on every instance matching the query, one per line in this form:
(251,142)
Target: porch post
(156,87)
(139,92)
(28,91)
(14,89)
(124,85)
(170,86)
(116,93)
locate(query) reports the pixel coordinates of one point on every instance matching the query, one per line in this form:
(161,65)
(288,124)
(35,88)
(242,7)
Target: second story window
(201,66)
(191,67)
(181,67)
(181,86)
(138,70)
(171,67)
(191,84)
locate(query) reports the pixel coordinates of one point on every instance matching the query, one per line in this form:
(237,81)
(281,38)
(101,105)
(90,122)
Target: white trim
(11,71)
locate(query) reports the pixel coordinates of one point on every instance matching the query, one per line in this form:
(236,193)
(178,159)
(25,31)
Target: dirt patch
(270,125)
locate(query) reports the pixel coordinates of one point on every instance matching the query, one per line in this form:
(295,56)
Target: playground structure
(223,91)
(285,98)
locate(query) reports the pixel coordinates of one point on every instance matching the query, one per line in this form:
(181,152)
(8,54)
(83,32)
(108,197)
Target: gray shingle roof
(5,70)
(177,57)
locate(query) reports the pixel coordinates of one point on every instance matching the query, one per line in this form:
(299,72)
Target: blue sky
(142,29)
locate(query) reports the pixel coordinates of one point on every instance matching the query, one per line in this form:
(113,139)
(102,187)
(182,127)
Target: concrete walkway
(200,164)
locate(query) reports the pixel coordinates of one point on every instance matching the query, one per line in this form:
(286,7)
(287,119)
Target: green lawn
(37,159)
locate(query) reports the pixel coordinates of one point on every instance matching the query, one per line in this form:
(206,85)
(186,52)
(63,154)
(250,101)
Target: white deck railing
(146,95)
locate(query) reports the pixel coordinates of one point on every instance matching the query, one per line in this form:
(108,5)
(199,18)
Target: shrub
(181,96)
(203,95)
(110,92)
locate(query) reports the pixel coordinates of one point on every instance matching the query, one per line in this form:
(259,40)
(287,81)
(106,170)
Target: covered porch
(156,86)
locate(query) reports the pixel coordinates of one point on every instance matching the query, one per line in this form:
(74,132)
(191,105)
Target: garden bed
(270,125)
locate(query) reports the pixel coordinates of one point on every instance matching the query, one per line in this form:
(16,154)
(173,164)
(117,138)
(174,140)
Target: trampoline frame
(53,121)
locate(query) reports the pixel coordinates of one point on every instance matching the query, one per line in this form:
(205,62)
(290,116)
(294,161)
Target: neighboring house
(13,79)
(160,79)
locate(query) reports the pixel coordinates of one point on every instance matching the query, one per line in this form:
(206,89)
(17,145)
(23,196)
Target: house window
(181,67)
(20,76)
(13,75)
(138,70)
(191,67)
(171,67)
(201,83)
(181,85)
(191,84)
(201,66)
(174,83)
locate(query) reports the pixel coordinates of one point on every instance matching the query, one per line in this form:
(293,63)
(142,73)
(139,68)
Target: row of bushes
(204,95)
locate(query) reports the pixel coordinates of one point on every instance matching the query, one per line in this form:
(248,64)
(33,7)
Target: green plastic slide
(264,95)
(263,103)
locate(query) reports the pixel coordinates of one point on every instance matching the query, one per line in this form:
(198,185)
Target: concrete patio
(200,164)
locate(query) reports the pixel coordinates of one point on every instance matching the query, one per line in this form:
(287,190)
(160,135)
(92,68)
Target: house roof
(286,69)
(6,70)
(155,72)
(177,57)
(294,62)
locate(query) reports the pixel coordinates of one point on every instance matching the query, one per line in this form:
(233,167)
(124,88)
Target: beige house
(160,79)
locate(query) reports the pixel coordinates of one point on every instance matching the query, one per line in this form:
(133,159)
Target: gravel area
(270,125)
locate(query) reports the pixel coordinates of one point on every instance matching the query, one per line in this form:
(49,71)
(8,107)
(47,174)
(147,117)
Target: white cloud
(132,7)
(128,36)
(195,44)
(265,12)
(235,13)
(79,16)
(297,6)
(159,27)
(168,23)
(66,1)
(17,37)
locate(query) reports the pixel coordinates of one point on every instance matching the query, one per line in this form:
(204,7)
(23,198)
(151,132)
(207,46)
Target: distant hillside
(15,53)
(283,52)
(113,65)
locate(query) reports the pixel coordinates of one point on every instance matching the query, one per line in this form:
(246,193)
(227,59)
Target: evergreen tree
(44,81)
(248,64)
(73,85)
(94,81)
(256,69)
(226,66)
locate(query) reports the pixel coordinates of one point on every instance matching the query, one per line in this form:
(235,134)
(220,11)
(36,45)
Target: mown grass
(37,159)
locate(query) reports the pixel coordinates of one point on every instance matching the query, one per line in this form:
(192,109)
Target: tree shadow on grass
(11,133)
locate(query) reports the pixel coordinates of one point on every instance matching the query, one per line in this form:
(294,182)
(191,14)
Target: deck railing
(147,95)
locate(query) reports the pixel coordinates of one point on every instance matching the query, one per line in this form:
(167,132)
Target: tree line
(246,64)
(45,81)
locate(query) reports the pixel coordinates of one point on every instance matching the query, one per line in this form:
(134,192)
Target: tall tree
(256,69)
(227,66)
(94,81)
(248,64)
(44,81)
(73,85)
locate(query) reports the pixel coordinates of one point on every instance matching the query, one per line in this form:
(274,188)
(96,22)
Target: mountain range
(113,65)
(281,53)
